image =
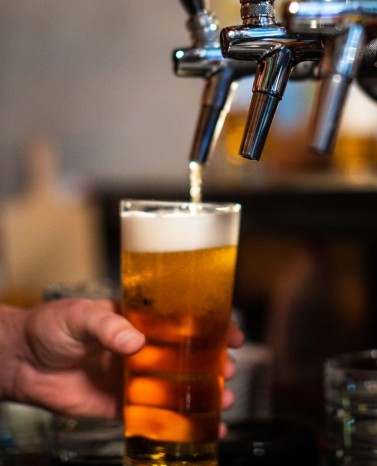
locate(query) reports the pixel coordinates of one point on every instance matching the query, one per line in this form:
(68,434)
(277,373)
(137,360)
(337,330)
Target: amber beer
(178,263)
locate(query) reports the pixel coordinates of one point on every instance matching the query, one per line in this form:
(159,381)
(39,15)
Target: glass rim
(346,361)
(155,204)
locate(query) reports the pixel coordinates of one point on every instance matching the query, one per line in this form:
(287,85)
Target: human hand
(70,357)
(67,361)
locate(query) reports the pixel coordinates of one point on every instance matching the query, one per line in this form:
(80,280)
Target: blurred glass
(85,440)
(351,408)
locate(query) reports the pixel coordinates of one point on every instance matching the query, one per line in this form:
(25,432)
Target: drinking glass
(351,408)
(178,264)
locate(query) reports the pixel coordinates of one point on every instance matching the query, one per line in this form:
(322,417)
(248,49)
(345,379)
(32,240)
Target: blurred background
(91,111)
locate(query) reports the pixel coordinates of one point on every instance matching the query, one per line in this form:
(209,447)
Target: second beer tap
(277,52)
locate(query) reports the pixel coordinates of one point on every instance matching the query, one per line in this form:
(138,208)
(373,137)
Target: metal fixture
(205,60)
(277,52)
(349,30)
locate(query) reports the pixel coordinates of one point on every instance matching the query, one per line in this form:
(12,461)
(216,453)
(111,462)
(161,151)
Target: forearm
(13,351)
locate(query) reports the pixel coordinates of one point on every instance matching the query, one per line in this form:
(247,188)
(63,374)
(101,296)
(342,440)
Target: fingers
(223,430)
(128,340)
(100,319)
(227,402)
(230,368)
(227,399)
(236,336)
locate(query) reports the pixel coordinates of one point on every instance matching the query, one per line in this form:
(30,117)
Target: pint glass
(178,264)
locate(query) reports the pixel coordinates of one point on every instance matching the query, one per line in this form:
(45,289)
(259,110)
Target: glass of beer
(178,267)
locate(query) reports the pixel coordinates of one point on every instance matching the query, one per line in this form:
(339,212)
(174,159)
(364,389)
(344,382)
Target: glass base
(140,451)
(136,462)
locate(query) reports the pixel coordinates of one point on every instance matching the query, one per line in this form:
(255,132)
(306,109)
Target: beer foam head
(187,229)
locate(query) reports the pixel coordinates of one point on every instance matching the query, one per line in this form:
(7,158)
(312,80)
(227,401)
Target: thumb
(112,330)
(128,340)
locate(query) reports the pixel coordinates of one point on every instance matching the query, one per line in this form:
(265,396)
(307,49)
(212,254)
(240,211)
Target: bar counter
(28,438)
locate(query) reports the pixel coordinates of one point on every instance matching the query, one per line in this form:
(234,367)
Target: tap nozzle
(262,40)
(267,93)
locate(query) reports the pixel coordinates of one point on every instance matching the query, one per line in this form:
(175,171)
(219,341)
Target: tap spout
(262,40)
(216,102)
(269,85)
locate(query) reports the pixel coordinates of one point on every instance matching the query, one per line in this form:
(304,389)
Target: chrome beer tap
(205,60)
(349,30)
(278,53)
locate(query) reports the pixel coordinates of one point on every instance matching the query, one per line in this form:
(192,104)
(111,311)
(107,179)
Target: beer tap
(348,29)
(277,53)
(205,60)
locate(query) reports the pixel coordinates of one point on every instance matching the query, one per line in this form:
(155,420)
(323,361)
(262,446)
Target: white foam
(164,231)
